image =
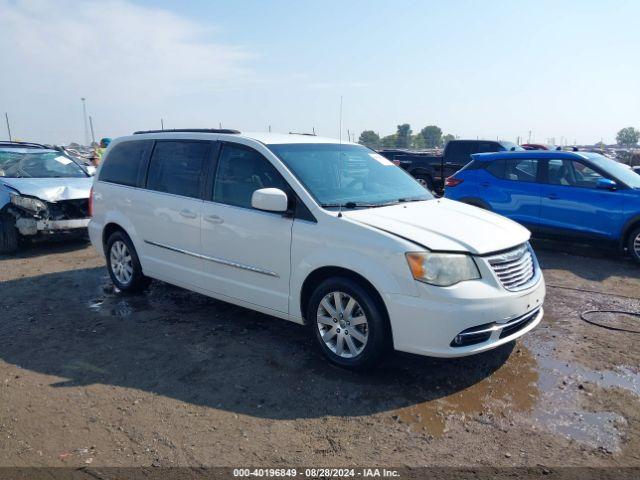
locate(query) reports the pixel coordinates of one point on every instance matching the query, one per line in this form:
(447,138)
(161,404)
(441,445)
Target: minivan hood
(51,189)
(445,225)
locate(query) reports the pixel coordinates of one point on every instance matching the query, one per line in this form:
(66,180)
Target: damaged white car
(43,192)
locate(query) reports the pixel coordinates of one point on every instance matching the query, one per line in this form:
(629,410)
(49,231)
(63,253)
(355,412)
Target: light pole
(84,118)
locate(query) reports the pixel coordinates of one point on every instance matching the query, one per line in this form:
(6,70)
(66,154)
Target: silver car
(43,192)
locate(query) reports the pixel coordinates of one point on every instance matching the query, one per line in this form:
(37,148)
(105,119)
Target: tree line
(628,137)
(429,137)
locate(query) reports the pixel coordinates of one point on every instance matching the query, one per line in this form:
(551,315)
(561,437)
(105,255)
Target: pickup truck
(431,170)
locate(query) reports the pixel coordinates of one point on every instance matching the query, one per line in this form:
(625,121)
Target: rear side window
(177,167)
(458,150)
(242,171)
(487,147)
(519,170)
(125,163)
(496,168)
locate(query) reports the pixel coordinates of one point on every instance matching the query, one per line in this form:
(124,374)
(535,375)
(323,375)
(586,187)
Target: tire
(633,244)
(8,234)
(425,181)
(123,264)
(361,351)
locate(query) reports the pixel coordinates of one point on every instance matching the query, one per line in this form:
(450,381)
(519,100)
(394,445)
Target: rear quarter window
(125,163)
(177,167)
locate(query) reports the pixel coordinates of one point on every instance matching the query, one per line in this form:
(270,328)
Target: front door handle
(188,214)
(485,184)
(213,219)
(552,196)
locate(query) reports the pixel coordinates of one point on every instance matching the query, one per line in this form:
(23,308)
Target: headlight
(28,203)
(442,269)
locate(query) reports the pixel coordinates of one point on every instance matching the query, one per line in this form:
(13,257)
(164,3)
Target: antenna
(6,117)
(340,158)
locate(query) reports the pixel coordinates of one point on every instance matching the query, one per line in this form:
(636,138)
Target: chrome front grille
(516,269)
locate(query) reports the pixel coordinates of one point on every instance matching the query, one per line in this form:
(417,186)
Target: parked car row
(330,234)
(431,170)
(579,196)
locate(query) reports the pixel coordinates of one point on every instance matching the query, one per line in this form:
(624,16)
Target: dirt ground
(89,376)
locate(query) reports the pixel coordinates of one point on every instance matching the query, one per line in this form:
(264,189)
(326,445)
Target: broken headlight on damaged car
(442,269)
(31,204)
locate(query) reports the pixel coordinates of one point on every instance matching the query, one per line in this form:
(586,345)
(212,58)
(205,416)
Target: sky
(567,70)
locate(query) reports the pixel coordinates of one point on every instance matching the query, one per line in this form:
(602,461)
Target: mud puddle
(535,388)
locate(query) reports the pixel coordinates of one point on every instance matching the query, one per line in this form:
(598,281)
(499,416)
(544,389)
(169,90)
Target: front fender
(379,257)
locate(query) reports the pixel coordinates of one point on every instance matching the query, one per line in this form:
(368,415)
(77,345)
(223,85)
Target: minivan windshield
(348,175)
(614,168)
(38,164)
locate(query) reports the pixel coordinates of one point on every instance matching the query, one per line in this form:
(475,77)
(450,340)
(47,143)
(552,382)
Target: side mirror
(606,184)
(270,200)
(91,170)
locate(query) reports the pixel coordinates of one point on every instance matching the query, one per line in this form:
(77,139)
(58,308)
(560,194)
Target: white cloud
(114,52)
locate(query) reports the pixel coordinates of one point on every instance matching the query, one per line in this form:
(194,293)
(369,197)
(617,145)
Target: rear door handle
(213,219)
(188,214)
(552,196)
(485,184)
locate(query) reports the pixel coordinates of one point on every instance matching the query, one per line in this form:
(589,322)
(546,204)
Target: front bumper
(429,323)
(31,226)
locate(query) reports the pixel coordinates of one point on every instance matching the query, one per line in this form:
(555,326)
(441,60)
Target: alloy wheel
(121,262)
(342,324)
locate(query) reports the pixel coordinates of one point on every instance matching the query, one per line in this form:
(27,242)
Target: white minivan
(319,232)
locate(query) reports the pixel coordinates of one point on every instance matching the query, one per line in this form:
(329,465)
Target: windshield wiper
(414,199)
(352,205)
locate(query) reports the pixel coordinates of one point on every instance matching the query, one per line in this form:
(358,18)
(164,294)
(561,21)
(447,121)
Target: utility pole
(6,116)
(93,137)
(161,124)
(84,118)
(529,140)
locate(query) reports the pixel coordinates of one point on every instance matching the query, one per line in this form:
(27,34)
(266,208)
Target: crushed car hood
(51,189)
(445,225)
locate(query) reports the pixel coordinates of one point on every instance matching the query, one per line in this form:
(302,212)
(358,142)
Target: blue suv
(567,195)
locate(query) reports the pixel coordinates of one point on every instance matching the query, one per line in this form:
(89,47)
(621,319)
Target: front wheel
(8,234)
(634,245)
(123,264)
(348,324)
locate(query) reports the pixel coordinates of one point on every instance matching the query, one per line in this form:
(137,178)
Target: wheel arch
(320,274)
(109,229)
(428,171)
(629,226)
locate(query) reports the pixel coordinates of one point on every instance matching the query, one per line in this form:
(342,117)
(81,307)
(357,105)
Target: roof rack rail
(303,133)
(22,144)
(190,130)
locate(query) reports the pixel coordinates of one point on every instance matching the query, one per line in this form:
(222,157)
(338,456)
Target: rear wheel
(634,244)
(348,324)
(8,234)
(123,264)
(425,181)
